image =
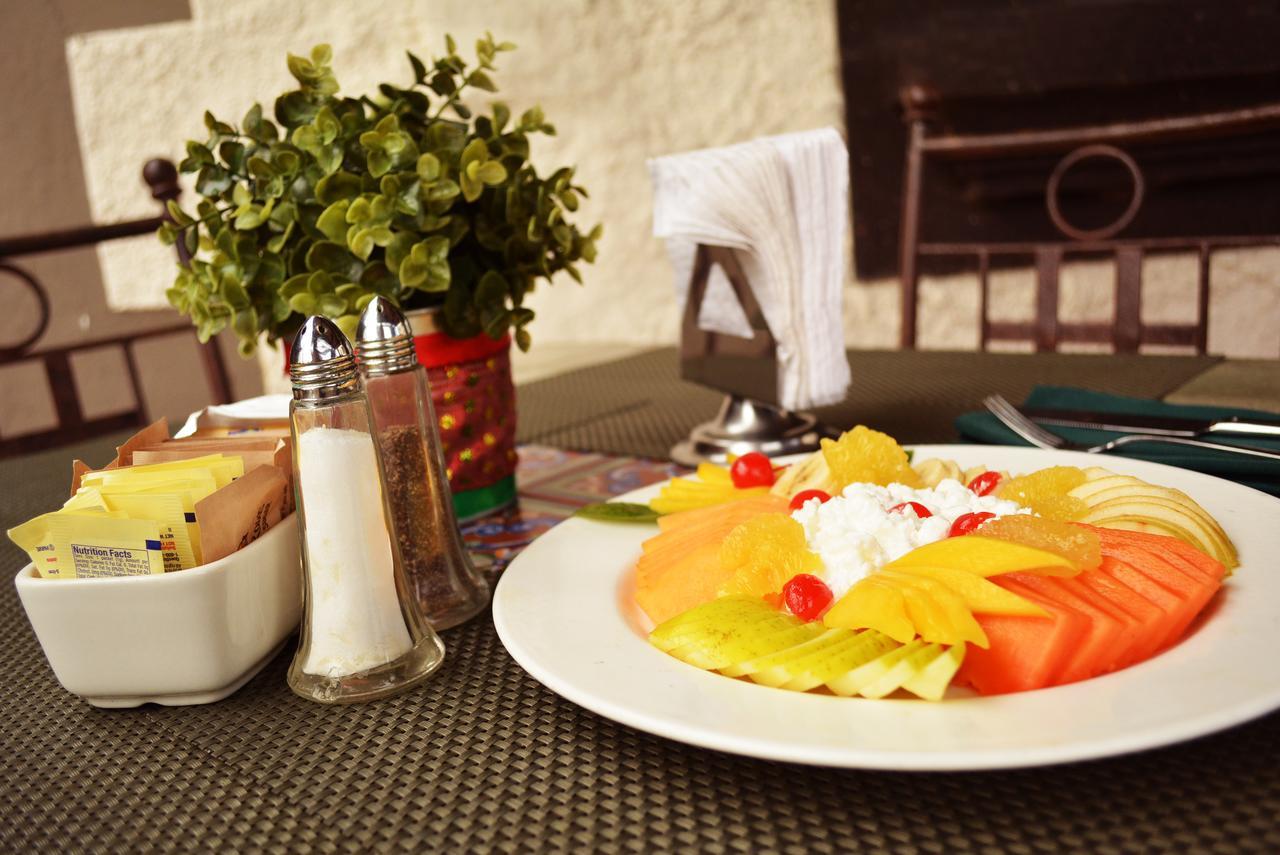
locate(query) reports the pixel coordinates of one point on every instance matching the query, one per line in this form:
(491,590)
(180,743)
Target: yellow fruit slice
(684,494)
(713,474)
(879,671)
(1077,544)
(931,680)
(981,596)
(1045,492)
(764,553)
(871,604)
(985,556)
(865,455)
(938,612)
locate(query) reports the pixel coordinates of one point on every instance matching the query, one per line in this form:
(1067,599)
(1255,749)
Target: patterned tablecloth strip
(553,484)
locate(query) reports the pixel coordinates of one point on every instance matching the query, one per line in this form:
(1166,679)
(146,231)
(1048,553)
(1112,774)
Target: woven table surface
(483,757)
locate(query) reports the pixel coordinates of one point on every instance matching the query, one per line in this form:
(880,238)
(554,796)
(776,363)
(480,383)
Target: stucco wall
(622,81)
(43,189)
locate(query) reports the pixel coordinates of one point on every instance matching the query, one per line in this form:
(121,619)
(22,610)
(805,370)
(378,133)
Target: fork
(1033,433)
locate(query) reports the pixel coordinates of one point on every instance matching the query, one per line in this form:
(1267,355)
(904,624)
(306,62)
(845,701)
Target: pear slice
(931,681)
(818,644)
(680,629)
(1172,515)
(906,668)
(1133,488)
(815,670)
(852,682)
(811,473)
(724,646)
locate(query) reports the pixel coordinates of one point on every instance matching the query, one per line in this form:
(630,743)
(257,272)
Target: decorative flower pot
(475,409)
(475,412)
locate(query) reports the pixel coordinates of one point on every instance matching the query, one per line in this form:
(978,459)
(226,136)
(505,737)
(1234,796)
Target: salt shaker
(437,567)
(363,635)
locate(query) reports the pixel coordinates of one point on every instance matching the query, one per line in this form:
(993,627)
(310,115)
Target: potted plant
(407,193)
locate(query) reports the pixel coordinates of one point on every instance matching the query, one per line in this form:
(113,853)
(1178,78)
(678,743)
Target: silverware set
(1182,434)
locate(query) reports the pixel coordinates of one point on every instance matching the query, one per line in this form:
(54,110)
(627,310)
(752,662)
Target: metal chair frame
(72,425)
(1126,332)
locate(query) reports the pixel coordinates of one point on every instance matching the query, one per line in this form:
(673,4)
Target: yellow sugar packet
(223,468)
(86,544)
(166,509)
(172,503)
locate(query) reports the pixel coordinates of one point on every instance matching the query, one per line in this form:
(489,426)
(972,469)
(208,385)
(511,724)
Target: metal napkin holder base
(744,368)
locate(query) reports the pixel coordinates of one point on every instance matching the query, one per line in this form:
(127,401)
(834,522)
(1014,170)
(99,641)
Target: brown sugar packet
(242,511)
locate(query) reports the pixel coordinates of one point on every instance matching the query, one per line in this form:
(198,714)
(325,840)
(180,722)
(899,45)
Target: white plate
(563,609)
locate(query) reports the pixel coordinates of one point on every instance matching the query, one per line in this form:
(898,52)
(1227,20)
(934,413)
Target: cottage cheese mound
(854,534)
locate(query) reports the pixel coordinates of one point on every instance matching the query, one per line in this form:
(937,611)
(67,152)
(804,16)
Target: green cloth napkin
(1253,472)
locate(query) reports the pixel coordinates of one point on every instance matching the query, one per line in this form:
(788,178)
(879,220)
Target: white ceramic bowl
(191,637)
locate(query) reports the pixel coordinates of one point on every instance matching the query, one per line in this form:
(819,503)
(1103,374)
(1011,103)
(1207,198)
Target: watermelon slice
(1025,652)
(1098,652)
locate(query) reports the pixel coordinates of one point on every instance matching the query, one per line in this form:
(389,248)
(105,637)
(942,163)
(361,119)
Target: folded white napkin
(782,204)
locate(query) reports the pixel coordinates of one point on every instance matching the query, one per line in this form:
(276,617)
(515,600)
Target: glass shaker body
(437,567)
(363,636)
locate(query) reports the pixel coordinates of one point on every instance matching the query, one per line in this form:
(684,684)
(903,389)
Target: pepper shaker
(439,571)
(363,635)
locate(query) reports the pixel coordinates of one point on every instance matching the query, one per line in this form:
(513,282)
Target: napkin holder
(746,369)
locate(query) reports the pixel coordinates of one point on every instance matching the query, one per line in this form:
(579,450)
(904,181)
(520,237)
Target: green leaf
(398,249)
(180,217)
(322,54)
(490,290)
(471,187)
(618,512)
(361,242)
(428,167)
(443,190)
(213,181)
(304,304)
(491,172)
(419,69)
(253,216)
(327,125)
(501,115)
(232,154)
(379,162)
(340,185)
(480,80)
(333,222)
(198,154)
(523,340)
(260,167)
(294,109)
(475,152)
(332,257)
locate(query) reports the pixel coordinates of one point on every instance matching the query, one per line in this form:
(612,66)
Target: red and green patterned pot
(475,404)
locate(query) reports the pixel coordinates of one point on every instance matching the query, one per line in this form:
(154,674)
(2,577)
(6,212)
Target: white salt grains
(356,623)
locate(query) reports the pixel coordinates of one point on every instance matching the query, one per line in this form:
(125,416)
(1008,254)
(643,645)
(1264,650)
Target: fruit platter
(946,607)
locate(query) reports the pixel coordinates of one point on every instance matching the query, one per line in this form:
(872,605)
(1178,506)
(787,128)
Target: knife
(1157,425)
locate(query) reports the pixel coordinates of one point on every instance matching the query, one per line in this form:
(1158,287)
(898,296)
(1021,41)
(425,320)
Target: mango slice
(872,604)
(985,556)
(978,594)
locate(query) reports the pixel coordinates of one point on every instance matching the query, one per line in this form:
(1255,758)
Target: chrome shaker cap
(384,340)
(321,364)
